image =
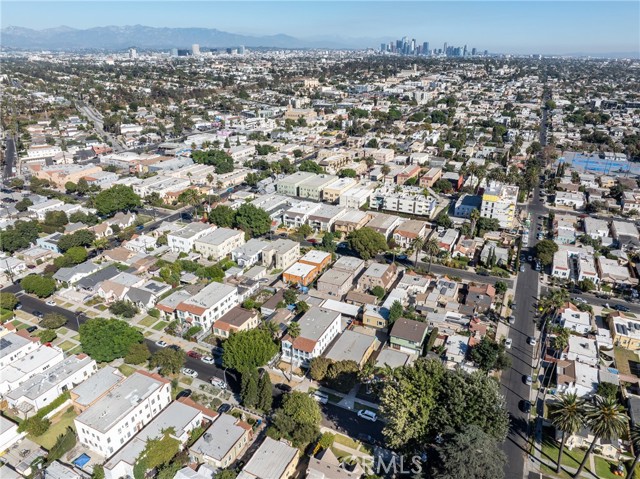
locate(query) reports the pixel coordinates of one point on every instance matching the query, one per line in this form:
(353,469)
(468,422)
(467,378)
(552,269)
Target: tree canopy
(310,166)
(488,355)
(252,220)
(545,250)
(366,242)
(169,360)
(222,162)
(108,339)
(78,238)
(222,216)
(117,198)
(298,419)
(41,286)
(246,350)
(18,236)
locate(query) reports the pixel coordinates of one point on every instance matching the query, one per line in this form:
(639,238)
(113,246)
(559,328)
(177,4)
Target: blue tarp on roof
(82,461)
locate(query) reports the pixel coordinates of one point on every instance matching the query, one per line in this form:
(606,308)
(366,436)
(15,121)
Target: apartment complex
(499,202)
(318,327)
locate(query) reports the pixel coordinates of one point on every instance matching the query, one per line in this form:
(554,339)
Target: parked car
(522,268)
(528,381)
(207,360)
(185,393)
(525,406)
(51,302)
(38,314)
(161,344)
(175,347)
(532,341)
(321,397)
(313,241)
(621,307)
(224,407)
(219,383)
(31,329)
(366,438)
(483,272)
(189,372)
(512,319)
(18,305)
(580,300)
(508,342)
(194,354)
(283,387)
(368,415)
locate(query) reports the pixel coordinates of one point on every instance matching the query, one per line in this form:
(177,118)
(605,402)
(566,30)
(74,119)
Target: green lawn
(604,468)
(346,441)
(160,325)
(62,331)
(340,454)
(100,307)
(59,425)
(623,357)
(19,324)
(67,345)
(147,322)
(76,350)
(126,369)
(76,337)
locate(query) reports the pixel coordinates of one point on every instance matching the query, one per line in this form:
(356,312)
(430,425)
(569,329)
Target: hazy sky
(504,26)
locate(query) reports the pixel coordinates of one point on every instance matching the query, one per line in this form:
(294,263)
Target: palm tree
(635,440)
(431,247)
(566,415)
(191,197)
(100,243)
(417,245)
(209,179)
(474,216)
(272,327)
(294,331)
(385,170)
(605,417)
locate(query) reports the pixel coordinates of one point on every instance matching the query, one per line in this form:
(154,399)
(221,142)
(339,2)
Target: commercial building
(318,327)
(208,305)
(122,412)
(410,200)
(499,202)
(59,175)
(313,187)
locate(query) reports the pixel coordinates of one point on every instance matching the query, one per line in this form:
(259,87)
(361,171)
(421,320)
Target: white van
(321,397)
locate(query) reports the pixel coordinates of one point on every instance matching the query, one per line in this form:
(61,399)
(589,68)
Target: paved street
(10,158)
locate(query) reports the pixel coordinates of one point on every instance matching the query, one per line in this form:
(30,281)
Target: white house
(318,327)
(183,240)
(208,305)
(219,243)
(573,319)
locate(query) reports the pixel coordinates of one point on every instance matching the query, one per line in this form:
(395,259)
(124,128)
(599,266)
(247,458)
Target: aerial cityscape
(325,240)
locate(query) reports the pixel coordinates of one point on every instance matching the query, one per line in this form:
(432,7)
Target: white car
(219,383)
(51,302)
(508,343)
(580,300)
(532,341)
(161,344)
(189,372)
(322,398)
(368,415)
(207,360)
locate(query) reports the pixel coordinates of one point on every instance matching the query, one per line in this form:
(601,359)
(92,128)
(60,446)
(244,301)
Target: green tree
(78,238)
(249,388)
(443,220)
(566,415)
(302,307)
(545,250)
(265,395)
(606,419)
(70,187)
(220,160)
(310,166)
(501,287)
(454,457)
(160,450)
(327,242)
(222,216)
(124,309)
(16,183)
(226,474)
(82,187)
(53,321)
(305,230)
(487,354)
(41,286)
(8,301)
(290,296)
(395,312)
(56,219)
(348,173)
(169,360)
(18,236)
(23,204)
(319,367)
(247,350)
(76,254)
(378,291)
(431,247)
(297,420)
(117,198)
(607,390)
(487,224)
(252,220)
(138,353)
(47,335)
(98,472)
(366,242)
(107,339)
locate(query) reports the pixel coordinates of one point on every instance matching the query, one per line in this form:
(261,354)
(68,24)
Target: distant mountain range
(142,37)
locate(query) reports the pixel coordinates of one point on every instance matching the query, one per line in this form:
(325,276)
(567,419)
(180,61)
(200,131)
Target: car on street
(508,342)
(194,354)
(37,314)
(207,360)
(175,347)
(530,258)
(283,387)
(31,329)
(161,344)
(51,302)
(224,407)
(512,319)
(525,406)
(621,307)
(483,273)
(513,306)
(189,372)
(528,381)
(185,393)
(313,241)
(321,397)
(18,305)
(362,437)
(532,341)
(219,383)
(522,268)
(368,415)
(580,300)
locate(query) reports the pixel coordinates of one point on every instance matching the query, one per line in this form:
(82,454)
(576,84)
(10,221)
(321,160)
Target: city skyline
(509,27)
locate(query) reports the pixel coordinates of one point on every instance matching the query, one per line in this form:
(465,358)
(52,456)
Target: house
(595,228)
(110,422)
(92,282)
(237,319)
(15,344)
(456,348)
(324,218)
(281,254)
(50,242)
(353,345)
(167,306)
(272,460)
(430,177)
(335,282)
(112,291)
(42,388)
(611,272)
(406,234)
(298,214)
(318,327)
(183,240)
(570,317)
(219,243)
(223,442)
(480,297)
(350,264)
(9,436)
(325,465)
(377,274)
(375,316)
(492,254)
(208,305)
(625,234)
(570,199)
(446,239)
(410,171)
(466,204)
(249,253)
(408,336)
(383,223)
(625,331)
(351,220)
(301,274)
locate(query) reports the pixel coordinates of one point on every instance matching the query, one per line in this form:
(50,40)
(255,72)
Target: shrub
(53,321)
(47,335)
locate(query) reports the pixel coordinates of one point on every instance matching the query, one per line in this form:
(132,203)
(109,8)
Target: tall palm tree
(209,179)
(385,170)
(474,216)
(294,331)
(191,197)
(431,247)
(417,245)
(635,440)
(566,415)
(605,417)
(100,243)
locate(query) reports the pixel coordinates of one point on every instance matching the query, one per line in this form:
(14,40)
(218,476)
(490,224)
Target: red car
(193,354)
(313,241)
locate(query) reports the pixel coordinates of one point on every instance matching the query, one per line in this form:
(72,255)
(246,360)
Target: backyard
(59,424)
